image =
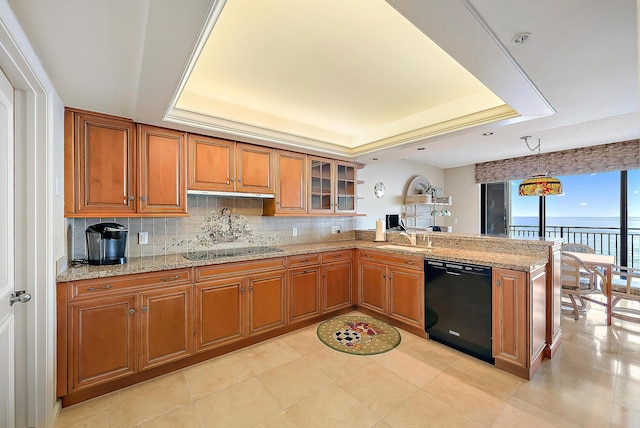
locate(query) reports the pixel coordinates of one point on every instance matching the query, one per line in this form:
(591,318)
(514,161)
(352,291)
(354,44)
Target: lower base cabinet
(519,320)
(238,305)
(392,285)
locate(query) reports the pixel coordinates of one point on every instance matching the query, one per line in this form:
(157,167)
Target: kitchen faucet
(427,238)
(410,236)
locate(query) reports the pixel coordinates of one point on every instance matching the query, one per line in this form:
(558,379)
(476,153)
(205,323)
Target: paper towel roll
(379,230)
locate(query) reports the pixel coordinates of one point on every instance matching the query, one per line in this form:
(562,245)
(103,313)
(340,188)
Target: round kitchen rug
(360,335)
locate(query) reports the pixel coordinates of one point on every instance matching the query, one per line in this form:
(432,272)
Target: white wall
(59,234)
(396,176)
(460,183)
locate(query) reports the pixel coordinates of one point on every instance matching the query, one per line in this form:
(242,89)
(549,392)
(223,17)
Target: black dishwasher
(458,306)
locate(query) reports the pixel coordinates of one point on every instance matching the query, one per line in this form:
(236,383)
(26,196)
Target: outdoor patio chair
(625,287)
(579,282)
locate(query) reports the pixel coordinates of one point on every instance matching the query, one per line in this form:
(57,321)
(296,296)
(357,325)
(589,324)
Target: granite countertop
(177,261)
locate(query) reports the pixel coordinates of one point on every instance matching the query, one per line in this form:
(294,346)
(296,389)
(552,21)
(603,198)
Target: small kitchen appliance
(106,244)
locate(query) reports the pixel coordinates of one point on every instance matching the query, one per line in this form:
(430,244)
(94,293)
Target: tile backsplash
(213,222)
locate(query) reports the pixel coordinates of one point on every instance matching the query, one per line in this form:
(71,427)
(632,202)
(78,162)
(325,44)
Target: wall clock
(379,190)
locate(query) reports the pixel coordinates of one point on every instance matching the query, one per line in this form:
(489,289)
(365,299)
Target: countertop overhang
(177,261)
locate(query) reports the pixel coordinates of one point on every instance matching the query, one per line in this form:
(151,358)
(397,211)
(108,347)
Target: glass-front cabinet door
(345,187)
(321,185)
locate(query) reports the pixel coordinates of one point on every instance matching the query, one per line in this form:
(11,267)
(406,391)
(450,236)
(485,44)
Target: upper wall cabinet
(291,185)
(162,169)
(332,186)
(112,171)
(99,157)
(221,165)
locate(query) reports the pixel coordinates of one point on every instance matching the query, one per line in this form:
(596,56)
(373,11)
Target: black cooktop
(229,252)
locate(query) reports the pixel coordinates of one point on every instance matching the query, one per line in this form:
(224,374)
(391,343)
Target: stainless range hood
(231,194)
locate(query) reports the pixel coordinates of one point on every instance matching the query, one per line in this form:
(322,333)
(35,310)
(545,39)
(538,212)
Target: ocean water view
(600,233)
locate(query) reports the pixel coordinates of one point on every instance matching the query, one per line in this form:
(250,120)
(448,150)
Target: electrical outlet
(143,238)
(295,231)
(335,230)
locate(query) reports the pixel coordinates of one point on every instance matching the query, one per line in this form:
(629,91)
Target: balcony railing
(604,240)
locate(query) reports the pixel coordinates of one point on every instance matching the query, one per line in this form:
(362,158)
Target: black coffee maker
(106,244)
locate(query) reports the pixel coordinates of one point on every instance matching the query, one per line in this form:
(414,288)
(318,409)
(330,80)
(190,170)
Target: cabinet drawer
(304,260)
(336,256)
(204,273)
(105,286)
(410,262)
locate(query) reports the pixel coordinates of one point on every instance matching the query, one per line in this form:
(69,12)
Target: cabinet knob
(498,283)
(131,197)
(143,198)
(132,311)
(251,288)
(242,289)
(170,278)
(384,275)
(145,308)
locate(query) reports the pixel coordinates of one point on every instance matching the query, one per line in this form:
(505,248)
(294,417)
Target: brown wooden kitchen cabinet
(392,285)
(237,300)
(166,330)
(162,170)
(304,286)
(519,320)
(222,165)
(102,340)
(290,185)
(337,279)
(115,168)
(99,157)
(332,186)
(109,328)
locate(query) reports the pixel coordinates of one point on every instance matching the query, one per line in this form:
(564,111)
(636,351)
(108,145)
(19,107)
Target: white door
(7,286)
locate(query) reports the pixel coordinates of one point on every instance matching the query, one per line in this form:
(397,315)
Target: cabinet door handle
(232,179)
(384,275)
(368,255)
(306,271)
(242,289)
(104,287)
(409,262)
(498,283)
(132,311)
(337,256)
(131,197)
(143,198)
(170,278)
(251,288)
(145,308)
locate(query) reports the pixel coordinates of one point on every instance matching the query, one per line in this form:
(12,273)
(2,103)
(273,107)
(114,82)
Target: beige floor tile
(331,407)
(290,382)
(480,401)
(382,424)
(628,394)
(622,417)
(422,410)
(336,364)
(379,389)
(139,403)
(488,374)
(281,420)
(565,401)
(419,373)
(304,341)
(183,417)
(581,377)
(81,411)
(519,413)
(264,356)
(243,405)
(93,420)
(215,375)
(426,350)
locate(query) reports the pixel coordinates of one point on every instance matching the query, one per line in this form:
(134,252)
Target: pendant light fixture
(539,184)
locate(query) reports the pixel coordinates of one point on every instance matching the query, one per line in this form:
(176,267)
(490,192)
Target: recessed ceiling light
(374,158)
(486,134)
(520,39)
(420,148)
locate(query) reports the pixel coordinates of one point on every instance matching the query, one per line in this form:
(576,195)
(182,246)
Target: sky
(590,195)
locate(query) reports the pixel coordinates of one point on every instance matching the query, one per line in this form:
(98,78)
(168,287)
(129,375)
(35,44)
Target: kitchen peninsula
(167,312)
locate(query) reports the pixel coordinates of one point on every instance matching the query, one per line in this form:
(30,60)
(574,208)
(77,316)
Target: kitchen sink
(405,248)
